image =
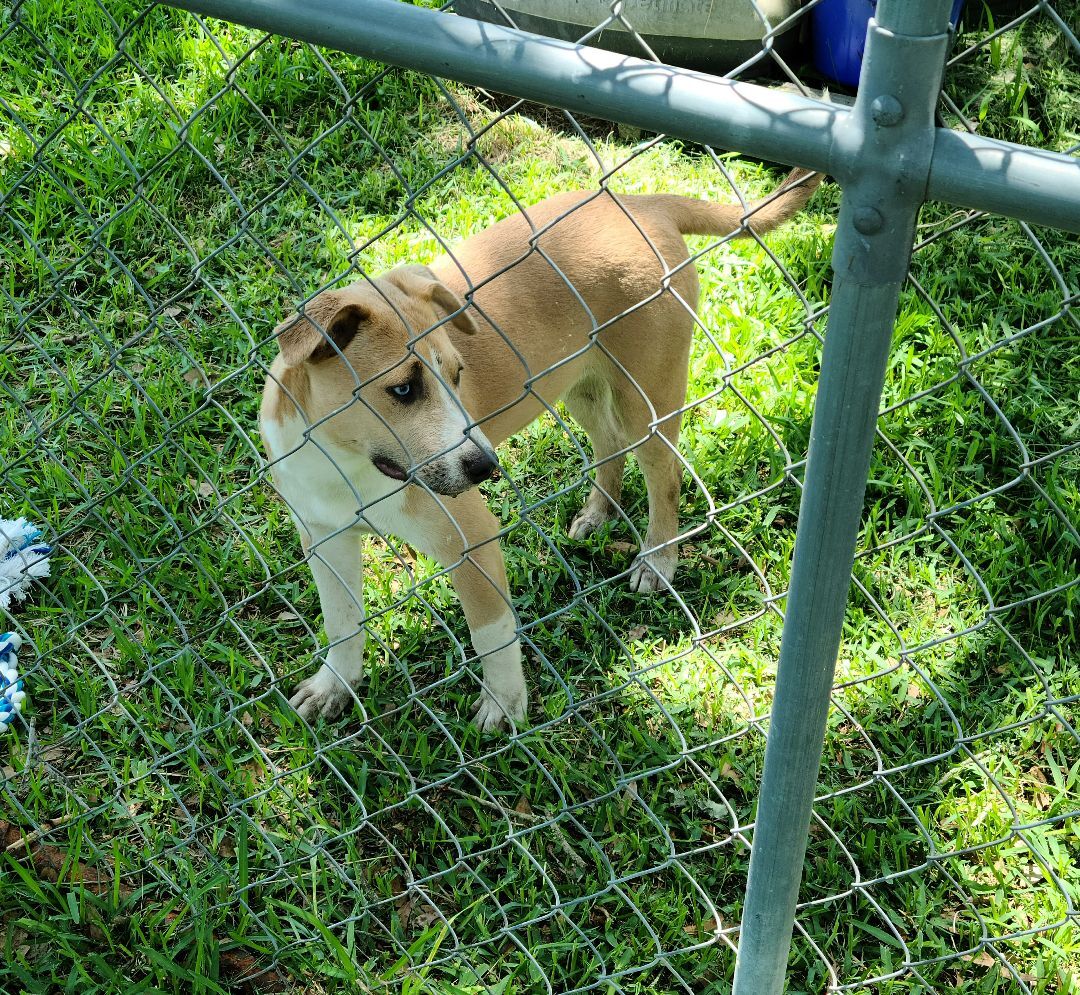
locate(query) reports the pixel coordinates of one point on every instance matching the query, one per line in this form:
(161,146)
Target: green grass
(604,847)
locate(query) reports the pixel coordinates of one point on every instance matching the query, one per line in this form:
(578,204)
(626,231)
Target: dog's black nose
(480,466)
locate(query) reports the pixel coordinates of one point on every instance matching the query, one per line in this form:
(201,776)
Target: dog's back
(546,283)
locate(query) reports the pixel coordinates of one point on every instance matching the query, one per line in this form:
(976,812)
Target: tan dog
(381,412)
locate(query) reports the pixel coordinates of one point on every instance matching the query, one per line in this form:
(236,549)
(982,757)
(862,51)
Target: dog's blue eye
(409,392)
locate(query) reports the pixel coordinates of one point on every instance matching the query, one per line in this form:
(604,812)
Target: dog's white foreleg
(463,535)
(504,697)
(337,564)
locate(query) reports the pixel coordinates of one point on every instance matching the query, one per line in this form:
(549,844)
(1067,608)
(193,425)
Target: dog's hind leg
(649,392)
(662,468)
(462,534)
(337,564)
(590,402)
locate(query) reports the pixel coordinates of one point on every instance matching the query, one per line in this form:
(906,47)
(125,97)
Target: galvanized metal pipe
(1001,178)
(1041,187)
(889,138)
(767,123)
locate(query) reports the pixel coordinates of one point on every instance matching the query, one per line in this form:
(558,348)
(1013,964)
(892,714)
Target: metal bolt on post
(883,165)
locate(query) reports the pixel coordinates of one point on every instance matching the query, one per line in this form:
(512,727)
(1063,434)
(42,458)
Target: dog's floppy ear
(325,328)
(422,283)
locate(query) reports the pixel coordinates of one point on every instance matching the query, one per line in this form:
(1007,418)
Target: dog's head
(384,375)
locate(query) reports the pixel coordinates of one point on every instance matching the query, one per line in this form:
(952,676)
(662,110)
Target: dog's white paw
(324,695)
(491,712)
(653,572)
(587,521)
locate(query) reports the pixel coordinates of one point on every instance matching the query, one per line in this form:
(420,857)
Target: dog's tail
(702,217)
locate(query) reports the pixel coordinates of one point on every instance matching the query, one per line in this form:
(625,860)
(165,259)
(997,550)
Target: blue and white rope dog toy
(12,694)
(23,558)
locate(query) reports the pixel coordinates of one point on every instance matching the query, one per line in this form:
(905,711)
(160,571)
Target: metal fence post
(883,163)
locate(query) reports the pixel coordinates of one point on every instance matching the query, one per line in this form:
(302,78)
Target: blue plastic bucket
(839,36)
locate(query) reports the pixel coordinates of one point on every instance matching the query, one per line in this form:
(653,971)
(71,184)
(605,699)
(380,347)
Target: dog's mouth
(432,482)
(389,468)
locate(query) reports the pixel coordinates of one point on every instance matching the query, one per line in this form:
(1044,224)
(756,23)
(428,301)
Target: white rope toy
(12,694)
(23,558)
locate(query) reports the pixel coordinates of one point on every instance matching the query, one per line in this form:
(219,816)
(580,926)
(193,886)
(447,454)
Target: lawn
(169,191)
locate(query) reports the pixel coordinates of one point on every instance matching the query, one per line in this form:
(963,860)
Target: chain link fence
(172,188)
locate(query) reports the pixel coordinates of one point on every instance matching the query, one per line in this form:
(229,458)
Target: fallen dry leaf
(426,917)
(196,377)
(404,911)
(710,927)
(523,806)
(599,917)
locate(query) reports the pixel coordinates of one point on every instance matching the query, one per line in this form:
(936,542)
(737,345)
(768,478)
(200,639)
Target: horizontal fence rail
(1019,182)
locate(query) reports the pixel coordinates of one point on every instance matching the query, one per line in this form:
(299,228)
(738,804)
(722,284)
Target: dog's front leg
(462,534)
(504,696)
(338,567)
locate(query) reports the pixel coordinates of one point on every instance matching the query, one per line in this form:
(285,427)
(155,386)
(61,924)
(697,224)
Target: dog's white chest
(327,486)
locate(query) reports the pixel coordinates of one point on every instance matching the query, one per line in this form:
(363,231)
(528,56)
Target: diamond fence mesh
(172,188)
